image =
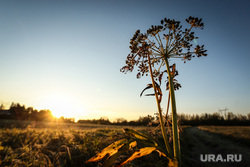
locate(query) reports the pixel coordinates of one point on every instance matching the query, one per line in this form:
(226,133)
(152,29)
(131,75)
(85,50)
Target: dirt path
(198,147)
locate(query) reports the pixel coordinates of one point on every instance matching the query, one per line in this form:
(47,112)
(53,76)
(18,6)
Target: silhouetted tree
(1,107)
(145,120)
(45,115)
(120,121)
(18,111)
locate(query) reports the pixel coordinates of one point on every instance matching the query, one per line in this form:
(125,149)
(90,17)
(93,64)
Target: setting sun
(61,105)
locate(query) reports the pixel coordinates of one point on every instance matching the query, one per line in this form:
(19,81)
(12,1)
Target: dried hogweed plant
(151,52)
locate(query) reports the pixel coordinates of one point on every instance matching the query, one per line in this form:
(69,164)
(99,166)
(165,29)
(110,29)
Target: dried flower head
(163,42)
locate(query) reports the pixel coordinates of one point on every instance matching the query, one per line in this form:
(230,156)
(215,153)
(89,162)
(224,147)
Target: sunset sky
(66,56)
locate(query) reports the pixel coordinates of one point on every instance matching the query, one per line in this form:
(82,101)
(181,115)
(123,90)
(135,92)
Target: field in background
(52,125)
(196,142)
(59,144)
(239,134)
(234,131)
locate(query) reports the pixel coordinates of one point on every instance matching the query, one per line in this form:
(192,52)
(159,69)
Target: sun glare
(61,105)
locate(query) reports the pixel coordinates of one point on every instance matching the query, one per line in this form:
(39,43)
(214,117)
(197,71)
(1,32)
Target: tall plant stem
(164,134)
(176,142)
(167,105)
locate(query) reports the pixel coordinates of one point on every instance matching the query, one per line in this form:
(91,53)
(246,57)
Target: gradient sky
(69,54)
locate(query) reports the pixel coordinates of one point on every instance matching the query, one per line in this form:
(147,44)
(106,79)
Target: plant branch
(176,142)
(160,40)
(160,66)
(167,105)
(167,41)
(152,43)
(178,42)
(159,110)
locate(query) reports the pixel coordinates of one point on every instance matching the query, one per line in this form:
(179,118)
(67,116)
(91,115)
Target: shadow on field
(238,134)
(205,149)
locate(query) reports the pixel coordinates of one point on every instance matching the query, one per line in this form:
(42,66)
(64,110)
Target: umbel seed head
(174,42)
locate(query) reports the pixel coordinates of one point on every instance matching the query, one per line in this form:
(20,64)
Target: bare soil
(196,143)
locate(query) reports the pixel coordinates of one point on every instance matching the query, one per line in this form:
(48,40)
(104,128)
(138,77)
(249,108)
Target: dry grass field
(59,145)
(44,147)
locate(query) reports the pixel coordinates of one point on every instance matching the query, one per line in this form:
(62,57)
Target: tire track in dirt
(196,142)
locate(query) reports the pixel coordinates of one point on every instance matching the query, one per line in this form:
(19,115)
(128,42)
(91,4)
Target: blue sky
(69,53)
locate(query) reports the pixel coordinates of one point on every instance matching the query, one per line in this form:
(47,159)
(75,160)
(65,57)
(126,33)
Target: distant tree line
(20,112)
(142,121)
(228,119)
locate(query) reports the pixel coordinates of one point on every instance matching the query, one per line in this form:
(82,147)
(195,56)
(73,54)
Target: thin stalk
(177,42)
(160,41)
(176,141)
(156,50)
(160,66)
(167,42)
(152,44)
(164,134)
(167,105)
